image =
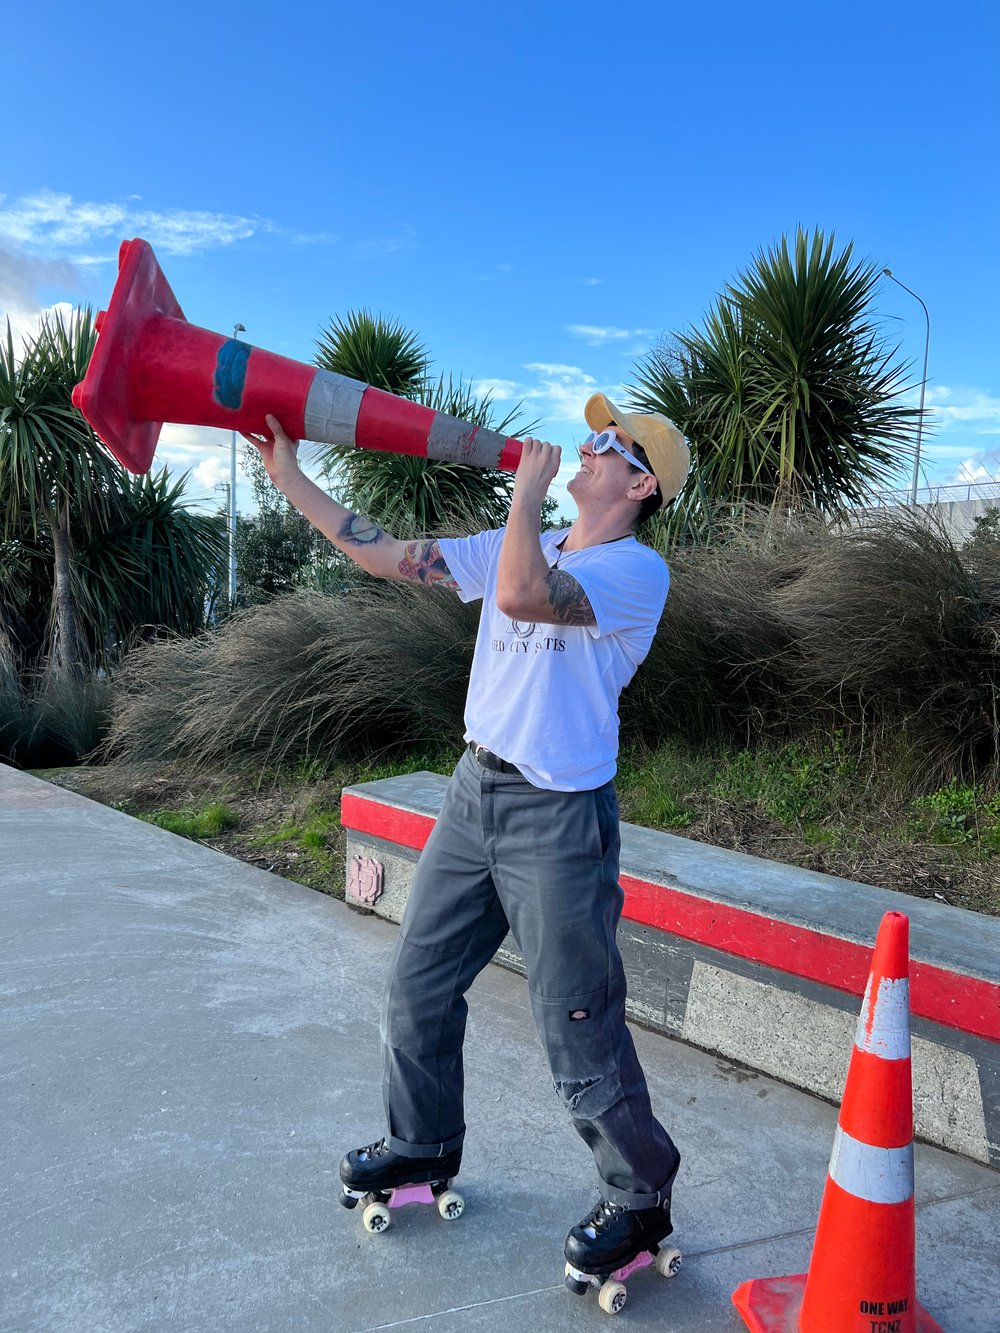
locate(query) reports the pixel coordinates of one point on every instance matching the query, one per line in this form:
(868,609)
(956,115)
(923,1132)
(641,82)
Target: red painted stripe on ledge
(966,1003)
(945,997)
(364,815)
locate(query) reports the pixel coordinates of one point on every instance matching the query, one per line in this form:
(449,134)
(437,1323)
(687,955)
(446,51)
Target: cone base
(772,1305)
(103,396)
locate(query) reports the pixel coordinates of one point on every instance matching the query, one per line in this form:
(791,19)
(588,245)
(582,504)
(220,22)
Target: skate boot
(613,1241)
(382,1180)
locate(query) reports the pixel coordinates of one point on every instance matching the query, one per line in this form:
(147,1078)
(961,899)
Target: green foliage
(91,557)
(49,456)
(208,822)
(411,496)
(656,785)
(982,551)
(50,720)
(958,813)
(374,350)
(796,785)
(277,549)
(788,396)
(150,567)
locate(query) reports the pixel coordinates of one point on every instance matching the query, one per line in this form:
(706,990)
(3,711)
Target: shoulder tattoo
(356,530)
(568,600)
(424,563)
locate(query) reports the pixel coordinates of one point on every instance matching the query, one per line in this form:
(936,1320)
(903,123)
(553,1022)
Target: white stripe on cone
(886,1032)
(877,1175)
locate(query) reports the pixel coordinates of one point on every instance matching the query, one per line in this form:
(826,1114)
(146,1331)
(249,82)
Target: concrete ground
(188,1045)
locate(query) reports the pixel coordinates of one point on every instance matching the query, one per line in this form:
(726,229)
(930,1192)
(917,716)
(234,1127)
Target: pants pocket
(577,1035)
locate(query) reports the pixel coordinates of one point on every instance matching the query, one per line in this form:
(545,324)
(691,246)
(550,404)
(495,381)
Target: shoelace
(601,1215)
(373,1150)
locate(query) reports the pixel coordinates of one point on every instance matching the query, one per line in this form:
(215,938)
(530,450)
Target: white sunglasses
(601,441)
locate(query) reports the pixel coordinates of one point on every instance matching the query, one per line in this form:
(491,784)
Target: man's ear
(643,486)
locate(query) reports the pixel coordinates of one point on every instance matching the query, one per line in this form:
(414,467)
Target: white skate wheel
(668,1261)
(574,1283)
(612,1297)
(375,1217)
(450,1205)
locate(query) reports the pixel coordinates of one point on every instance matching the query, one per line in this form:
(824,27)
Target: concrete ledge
(761,962)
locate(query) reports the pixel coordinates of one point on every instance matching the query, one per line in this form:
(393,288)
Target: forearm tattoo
(356,530)
(568,600)
(425,564)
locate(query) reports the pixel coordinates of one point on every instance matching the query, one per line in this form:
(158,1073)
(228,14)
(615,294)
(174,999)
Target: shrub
(304,679)
(50,721)
(876,630)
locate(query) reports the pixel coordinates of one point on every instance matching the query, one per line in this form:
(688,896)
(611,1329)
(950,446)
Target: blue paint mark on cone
(231,373)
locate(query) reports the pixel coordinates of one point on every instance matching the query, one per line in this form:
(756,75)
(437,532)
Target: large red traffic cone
(862,1275)
(150,366)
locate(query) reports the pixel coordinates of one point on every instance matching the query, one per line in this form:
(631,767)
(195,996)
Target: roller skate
(383,1180)
(611,1243)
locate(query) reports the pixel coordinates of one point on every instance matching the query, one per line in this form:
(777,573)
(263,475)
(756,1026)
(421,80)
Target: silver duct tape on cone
(454,441)
(331,414)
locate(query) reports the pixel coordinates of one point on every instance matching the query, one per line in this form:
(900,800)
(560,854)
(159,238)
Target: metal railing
(935,495)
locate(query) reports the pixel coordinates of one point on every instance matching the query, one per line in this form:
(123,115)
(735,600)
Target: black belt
(490,760)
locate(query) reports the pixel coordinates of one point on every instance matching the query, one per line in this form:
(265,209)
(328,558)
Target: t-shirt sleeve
(627,593)
(470,559)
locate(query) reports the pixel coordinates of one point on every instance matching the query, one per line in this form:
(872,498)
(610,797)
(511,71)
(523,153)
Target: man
(528,834)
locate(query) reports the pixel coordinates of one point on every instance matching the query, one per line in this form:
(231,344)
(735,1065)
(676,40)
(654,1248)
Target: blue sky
(541,191)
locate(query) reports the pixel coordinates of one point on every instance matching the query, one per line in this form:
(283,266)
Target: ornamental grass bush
(48,721)
(374,670)
(876,628)
(877,632)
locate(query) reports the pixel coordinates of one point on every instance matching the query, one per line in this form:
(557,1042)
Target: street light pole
(237,330)
(923,383)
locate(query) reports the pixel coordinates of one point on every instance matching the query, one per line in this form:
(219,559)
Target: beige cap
(664,445)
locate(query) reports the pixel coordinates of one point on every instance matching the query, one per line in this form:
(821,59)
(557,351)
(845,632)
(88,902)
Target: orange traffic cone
(862,1276)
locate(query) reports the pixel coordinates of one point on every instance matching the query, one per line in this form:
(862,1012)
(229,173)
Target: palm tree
(51,462)
(154,565)
(789,395)
(411,495)
(112,555)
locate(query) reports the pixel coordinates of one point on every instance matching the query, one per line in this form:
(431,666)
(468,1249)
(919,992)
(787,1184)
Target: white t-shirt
(543,696)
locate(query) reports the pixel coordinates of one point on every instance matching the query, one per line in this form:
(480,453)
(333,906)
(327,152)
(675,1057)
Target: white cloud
(555,392)
(57,224)
(963,406)
(979,469)
(596,335)
(562,390)
(26,324)
(502,390)
(592,282)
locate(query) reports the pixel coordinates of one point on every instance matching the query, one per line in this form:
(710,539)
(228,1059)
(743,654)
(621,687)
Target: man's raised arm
(365,542)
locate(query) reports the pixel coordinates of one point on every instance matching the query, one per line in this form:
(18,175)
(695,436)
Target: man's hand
(538,466)
(280,454)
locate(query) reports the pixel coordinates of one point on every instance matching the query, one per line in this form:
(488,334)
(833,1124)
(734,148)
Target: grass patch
(960,815)
(208,822)
(820,805)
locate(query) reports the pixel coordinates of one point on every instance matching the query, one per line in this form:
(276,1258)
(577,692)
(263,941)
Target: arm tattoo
(568,600)
(424,563)
(356,530)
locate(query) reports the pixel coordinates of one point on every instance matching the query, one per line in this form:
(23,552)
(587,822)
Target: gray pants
(545,863)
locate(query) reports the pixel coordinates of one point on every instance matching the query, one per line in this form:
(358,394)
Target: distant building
(955,507)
